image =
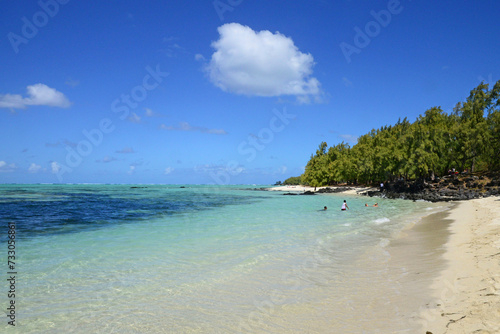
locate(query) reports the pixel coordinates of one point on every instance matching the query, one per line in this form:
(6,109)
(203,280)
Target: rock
(333,190)
(450,188)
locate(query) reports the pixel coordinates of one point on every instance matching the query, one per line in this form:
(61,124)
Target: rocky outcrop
(449,188)
(333,190)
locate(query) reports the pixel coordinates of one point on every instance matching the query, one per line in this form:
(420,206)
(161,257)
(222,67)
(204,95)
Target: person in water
(325,208)
(344,206)
(376,204)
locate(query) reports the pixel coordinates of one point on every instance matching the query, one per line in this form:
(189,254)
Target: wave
(381,220)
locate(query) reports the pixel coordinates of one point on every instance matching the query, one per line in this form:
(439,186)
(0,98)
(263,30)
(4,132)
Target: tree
(316,173)
(472,135)
(294,180)
(469,137)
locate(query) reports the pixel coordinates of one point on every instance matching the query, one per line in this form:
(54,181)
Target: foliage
(293,181)
(466,139)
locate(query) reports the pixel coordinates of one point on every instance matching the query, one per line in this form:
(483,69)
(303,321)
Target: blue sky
(222,92)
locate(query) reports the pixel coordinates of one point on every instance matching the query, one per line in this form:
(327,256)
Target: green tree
(316,172)
(294,180)
(469,137)
(492,151)
(472,136)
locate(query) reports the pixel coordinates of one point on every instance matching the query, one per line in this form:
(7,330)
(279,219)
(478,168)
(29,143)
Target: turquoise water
(196,259)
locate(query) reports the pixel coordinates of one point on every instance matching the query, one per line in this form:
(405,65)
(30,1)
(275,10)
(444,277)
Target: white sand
(467,293)
(354,191)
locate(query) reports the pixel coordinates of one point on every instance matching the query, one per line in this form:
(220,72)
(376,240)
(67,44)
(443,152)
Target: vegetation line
(468,139)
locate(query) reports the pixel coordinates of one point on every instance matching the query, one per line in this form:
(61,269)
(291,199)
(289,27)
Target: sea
(95,258)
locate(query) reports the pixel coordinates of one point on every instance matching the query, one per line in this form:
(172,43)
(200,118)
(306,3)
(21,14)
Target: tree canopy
(466,139)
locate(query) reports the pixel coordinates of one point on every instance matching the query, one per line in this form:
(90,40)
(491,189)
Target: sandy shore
(354,191)
(466,294)
(452,261)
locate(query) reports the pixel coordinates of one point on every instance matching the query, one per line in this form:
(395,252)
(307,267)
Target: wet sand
(466,294)
(439,276)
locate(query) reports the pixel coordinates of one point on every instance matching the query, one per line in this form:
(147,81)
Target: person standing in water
(344,206)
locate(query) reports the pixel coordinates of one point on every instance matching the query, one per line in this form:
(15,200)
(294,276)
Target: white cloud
(55,167)
(185,126)
(261,64)
(168,170)
(38,95)
(199,57)
(6,168)
(151,113)
(34,168)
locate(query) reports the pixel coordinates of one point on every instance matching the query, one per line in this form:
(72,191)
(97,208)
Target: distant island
(456,155)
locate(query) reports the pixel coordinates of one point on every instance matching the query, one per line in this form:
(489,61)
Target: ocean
(197,259)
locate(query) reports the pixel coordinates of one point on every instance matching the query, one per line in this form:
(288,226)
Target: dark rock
(450,188)
(333,190)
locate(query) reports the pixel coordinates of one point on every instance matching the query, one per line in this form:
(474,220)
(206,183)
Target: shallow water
(199,259)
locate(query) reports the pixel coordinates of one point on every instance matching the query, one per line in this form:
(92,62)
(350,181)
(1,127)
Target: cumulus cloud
(38,95)
(185,126)
(261,63)
(34,168)
(168,170)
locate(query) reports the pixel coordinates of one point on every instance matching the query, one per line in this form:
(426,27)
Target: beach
(467,292)
(299,189)
(446,267)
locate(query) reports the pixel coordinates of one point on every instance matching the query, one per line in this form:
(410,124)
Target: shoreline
(447,269)
(444,189)
(466,294)
(348,190)
(451,261)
